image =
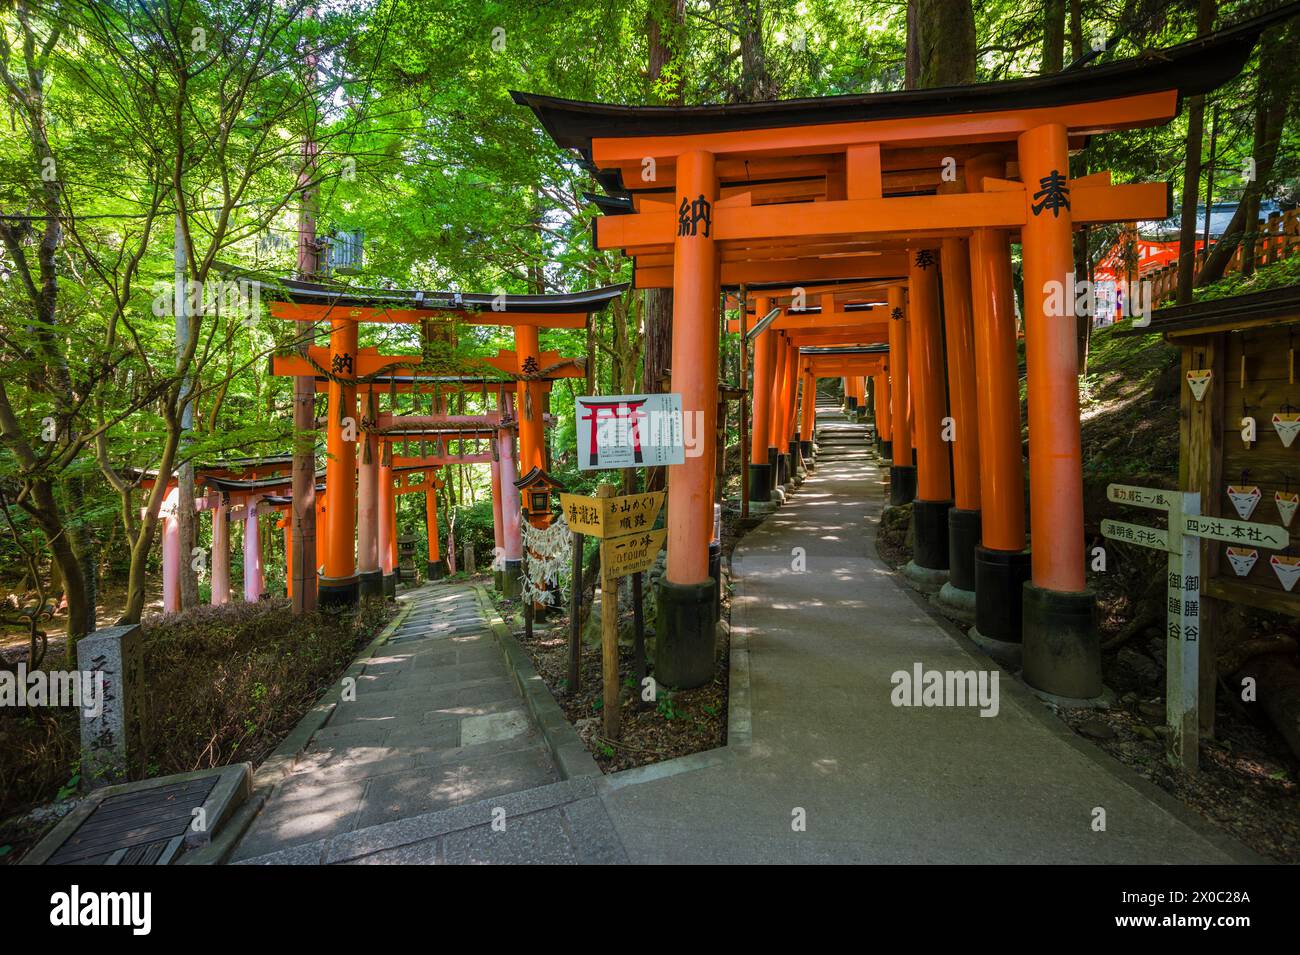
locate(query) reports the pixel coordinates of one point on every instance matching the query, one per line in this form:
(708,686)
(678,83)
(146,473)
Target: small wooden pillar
(1062,653)
(684,651)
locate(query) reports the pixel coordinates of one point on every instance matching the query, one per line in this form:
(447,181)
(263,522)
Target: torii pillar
(902,473)
(532,437)
(386,538)
(370,580)
(338,586)
(1001,562)
(776,437)
(790,429)
(809,413)
(254,582)
(171,552)
(436,569)
(760,462)
(498,527)
(928,567)
(884,419)
(964,518)
(511,508)
(684,650)
(1062,652)
(220,554)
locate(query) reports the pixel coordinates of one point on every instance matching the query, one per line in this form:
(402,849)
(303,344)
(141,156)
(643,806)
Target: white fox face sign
(1199,380)
(1287,427)
(1242,559)
(1286,504)
(1244,498)
(1287,569)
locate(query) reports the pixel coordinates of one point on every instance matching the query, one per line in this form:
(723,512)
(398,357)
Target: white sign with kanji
(629,431)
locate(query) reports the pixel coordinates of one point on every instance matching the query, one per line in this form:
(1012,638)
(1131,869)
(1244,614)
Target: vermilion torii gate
(898,186)
(343,369)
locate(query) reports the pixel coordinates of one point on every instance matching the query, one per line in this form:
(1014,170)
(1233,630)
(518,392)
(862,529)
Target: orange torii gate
(346,368)
(779,439)
(898,186)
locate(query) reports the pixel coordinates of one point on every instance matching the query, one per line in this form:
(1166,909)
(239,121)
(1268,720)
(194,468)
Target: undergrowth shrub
(222,685)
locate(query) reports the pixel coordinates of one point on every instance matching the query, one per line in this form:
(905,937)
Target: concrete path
(437,723)
(876,782)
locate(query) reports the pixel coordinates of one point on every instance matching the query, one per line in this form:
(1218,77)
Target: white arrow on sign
(1152,537)
(1271,536)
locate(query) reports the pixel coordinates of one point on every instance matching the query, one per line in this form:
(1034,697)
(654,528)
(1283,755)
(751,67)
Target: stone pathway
(437,723)
(820,766)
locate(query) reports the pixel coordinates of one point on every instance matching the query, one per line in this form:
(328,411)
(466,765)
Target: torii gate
(714,196)
(340,582)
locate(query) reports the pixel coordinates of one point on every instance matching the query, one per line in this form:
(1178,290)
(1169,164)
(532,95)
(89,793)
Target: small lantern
(535,491)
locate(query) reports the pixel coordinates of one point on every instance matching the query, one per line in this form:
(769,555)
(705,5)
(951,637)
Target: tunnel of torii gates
(373,453)
(922,193)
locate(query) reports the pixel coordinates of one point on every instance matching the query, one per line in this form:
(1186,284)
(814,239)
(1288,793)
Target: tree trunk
(947,42)
(912,51)
(1192,172)
(1276,77)
(755,83)
(1053,58)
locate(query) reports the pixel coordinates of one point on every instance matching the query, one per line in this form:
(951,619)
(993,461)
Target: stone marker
(112,737)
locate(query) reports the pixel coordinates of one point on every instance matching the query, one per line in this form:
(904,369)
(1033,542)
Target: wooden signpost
(1181,539)
(628,545)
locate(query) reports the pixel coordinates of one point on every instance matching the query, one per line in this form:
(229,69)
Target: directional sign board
(1183,608)
(1152,497)
(610,516)
(632,553)
(1272,536)
(1135,534)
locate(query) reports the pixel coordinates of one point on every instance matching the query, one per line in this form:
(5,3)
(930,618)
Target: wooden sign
(1152,497)
(1237,532)
(631,554)
(1180,541)
(604,517)
(1152,537)
(1198,380)
(1244,499)
(1287,426)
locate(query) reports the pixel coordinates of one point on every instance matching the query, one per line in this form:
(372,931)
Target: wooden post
(523,575)
(638,633)
(575,616)
(610,711)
